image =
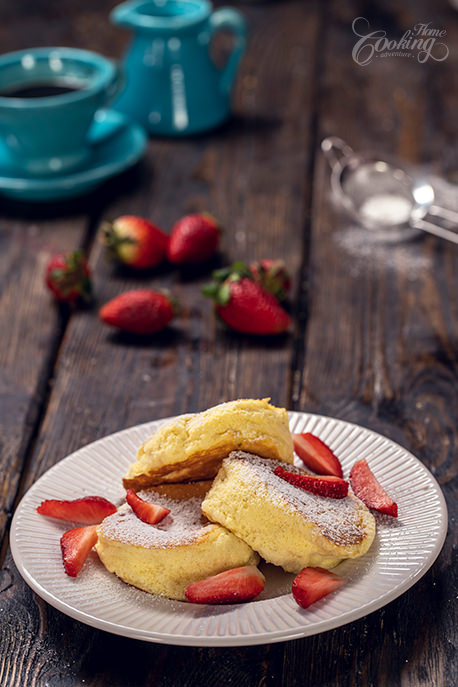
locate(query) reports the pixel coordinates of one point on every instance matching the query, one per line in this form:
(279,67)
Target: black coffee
(39,90)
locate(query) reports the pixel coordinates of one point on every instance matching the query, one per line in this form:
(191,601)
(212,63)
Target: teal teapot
(173,87)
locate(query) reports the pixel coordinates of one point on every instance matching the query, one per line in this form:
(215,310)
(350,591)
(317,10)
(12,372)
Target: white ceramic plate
(402,552)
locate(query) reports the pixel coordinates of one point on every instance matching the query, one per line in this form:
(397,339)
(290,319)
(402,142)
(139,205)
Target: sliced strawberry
(89,510)
(368,489)
(332,487)
(231,586)
(76,545)
(148,512)
(312,584)
(316,455)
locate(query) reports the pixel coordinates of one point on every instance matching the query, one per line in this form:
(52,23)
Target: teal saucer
(116,142)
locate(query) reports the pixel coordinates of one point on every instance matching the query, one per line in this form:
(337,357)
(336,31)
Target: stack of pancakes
(247,510)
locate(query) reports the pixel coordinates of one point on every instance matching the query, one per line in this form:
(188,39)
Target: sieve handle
(335,150)
(436,230)
(444,213)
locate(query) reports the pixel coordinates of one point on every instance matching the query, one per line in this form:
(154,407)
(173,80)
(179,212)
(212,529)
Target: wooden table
(374,339)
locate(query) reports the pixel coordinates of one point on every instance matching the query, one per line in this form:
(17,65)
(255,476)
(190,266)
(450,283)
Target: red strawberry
(68,277)
(316,455)
(331,487)
(367,488)
(243,304)
(231,586)
(76,545)
(312,584)
(89,510)
(135,241)
(273,277)
(194,239)
(141,311)
(148,512)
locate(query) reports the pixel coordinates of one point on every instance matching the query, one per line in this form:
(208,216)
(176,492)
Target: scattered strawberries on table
(231,586)
(140,311)
(76,545)
(324,485)
(312,584)
(194,239)
(367,488)
(150,513)
(89,510)
(68,277)
(316,455)
(135,241)
(243,304)
(273,276)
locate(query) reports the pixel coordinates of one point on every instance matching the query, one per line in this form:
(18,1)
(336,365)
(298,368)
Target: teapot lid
(161,15)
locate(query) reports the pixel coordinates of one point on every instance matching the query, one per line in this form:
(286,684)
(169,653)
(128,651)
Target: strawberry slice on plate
(316,455)
(323,485)
(312,584)
(150,513)
(230,586)
(89,510)
(76,545)
(367,488)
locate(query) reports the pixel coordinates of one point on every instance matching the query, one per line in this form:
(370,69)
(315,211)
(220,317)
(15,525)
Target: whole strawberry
(194,239)
(273,277)
(135,241)
(68,277)
(243,304)
(140,311)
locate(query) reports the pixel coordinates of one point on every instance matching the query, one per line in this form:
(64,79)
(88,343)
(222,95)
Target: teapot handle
(228,18)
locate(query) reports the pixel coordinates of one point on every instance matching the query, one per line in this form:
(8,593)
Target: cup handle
(335,150)
(228,18)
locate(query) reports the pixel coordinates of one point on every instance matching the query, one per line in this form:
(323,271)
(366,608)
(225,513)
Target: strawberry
(312,584)
(135,241)
(316,455)
(273,277)
(243,304)
(89,510)
(76,545)
(194,239)
(140,311)
(331,487)
(367,488)
(148,512)
(231,586)
(68,277)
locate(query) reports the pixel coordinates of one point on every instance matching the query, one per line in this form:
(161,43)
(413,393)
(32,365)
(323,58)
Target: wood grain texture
(30,327)
(249,174)
(378,340)
(374,340)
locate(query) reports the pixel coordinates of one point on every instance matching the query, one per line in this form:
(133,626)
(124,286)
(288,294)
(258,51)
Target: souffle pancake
(192,447)
(286,525)
(183,548)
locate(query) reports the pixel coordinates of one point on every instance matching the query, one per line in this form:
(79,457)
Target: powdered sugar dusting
(183,525)
(339,520)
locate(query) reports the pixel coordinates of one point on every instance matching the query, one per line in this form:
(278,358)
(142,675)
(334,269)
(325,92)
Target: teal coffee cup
(173,86)
(48,99)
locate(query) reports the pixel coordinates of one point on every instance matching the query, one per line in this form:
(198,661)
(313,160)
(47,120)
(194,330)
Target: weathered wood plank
(31,326)
(378,340)
(30,331)
(250,175)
